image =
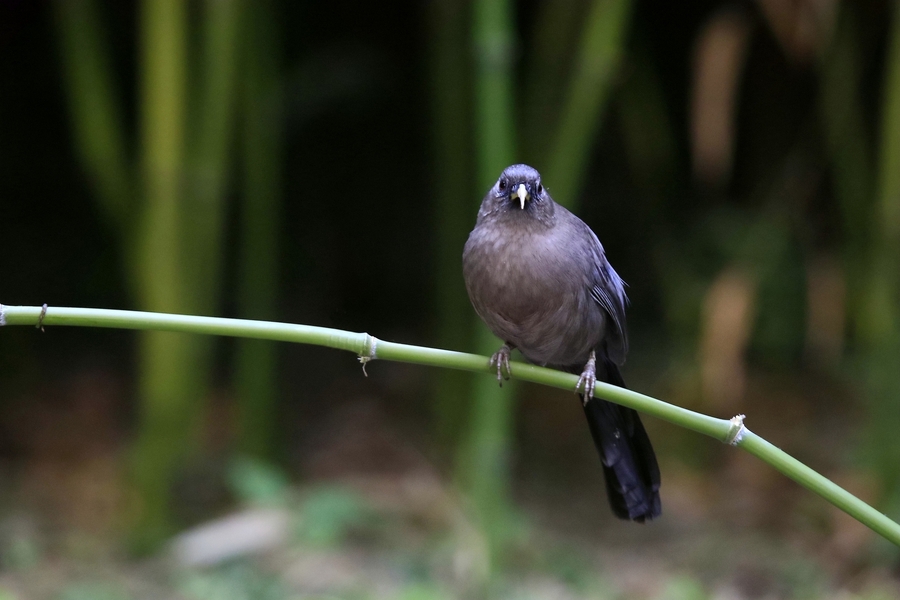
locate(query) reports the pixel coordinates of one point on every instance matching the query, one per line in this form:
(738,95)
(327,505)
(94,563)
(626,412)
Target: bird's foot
(500,359)
(588,378)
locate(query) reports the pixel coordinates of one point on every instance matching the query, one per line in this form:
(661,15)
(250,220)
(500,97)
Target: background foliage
(322,163)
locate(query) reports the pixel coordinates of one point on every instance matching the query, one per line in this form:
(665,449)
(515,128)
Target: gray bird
(539,278)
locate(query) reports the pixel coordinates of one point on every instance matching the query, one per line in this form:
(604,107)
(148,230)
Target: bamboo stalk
(167,391)
(879,315)
(256,360)
(483,461)
(212,114)
(96,109)
(450,70)
(598,59)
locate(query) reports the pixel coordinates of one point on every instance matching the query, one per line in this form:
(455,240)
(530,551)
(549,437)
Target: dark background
(739,169)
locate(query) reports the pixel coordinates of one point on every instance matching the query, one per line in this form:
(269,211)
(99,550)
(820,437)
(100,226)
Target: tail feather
(629,463)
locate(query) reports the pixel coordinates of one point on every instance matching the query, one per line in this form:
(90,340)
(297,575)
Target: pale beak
(522,193)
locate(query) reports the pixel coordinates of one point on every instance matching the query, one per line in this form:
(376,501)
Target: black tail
(629,464)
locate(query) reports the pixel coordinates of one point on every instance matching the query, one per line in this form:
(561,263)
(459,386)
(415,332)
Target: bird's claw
(500,359)
(588,378)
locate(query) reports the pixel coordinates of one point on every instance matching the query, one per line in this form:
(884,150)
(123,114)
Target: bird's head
(519,187)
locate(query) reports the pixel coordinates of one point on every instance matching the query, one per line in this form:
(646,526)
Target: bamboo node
(40,323)
(736,432)
(370,347)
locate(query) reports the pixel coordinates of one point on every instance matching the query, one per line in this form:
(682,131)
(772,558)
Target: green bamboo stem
(369,348)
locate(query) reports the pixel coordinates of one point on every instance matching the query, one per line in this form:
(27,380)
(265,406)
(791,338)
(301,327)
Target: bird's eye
(540,188)
(502,184)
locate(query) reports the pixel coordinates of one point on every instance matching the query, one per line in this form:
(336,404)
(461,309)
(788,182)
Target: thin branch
(370,348)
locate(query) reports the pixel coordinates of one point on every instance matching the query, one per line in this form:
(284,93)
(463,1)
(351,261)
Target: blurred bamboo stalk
(163,108)
(168,211)
(871,220)
(719,56)
(602,41)
(257,294)
(492,33)
(211,108)
(648,137)
(554,40)
(848,145)
(728,316)
(450,71)
(887,216)
(167,390)
(180,250)
(879,319)
(96,111)
(483,466)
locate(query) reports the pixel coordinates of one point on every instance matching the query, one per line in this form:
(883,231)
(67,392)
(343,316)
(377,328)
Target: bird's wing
(609,292)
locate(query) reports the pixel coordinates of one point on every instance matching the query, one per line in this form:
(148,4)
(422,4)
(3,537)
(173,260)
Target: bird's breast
(532,294)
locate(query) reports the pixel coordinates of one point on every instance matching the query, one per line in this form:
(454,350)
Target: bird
(539,278)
